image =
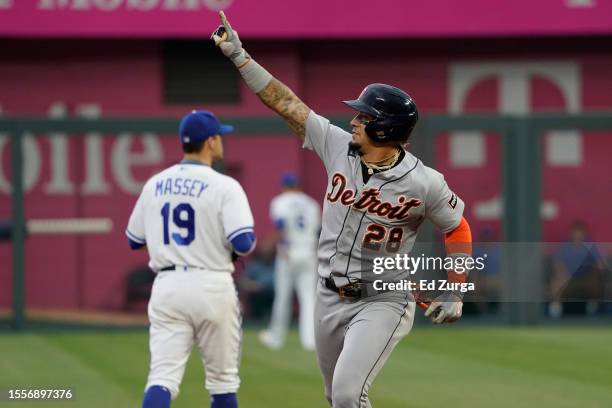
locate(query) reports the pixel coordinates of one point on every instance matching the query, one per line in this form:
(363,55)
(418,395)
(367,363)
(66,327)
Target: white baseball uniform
(296,265)
(187,216)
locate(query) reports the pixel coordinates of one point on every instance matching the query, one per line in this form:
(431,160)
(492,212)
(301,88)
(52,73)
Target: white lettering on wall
(123,159)
(493,209)
(59,183)
(514,95)
(107,5)
(580,3)
(94,170)
(181,4)
(63,4)
(217,4)
(562,146)
(94,157)
(141,5)
(31,163)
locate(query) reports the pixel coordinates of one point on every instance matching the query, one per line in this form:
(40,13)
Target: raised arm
(281,99)
(273,93)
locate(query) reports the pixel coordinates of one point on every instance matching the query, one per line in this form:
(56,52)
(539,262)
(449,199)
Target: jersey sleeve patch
(453,201)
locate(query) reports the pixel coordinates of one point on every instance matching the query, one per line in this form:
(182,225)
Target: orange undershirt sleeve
(458,242)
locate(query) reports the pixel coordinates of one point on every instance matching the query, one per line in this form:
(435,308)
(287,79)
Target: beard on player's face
(355,147)
(360,141)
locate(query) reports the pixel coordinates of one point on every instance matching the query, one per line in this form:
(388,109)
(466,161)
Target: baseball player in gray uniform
(378,194)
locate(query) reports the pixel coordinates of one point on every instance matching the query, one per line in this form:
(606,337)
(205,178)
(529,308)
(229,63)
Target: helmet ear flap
(379,129)
(374,130)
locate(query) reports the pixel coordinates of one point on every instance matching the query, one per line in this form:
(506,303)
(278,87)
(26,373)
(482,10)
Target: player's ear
(210,142)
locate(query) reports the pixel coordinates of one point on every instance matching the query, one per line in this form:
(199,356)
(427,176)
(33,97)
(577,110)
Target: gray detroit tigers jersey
(381,216)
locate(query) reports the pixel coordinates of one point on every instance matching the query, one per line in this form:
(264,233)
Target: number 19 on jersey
(183,217)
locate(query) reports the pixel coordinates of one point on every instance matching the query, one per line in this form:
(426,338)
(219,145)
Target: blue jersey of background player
(193,220)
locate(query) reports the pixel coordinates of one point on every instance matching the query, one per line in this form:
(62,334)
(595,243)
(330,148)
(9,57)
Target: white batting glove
(226,38)
(446,308)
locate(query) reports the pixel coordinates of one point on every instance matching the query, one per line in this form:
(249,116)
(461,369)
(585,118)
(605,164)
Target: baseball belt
(354,290)
(179,268)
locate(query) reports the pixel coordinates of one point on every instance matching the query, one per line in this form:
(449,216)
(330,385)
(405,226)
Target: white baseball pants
(194,307)
(299,274)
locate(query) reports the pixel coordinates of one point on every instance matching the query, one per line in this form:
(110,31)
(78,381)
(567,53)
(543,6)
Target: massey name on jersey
(180,186)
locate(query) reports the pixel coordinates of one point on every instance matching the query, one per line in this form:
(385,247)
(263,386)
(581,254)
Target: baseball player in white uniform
(193,221)
(297,218)
(378,194)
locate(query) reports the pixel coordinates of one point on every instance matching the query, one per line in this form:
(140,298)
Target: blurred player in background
(256,283)
(297,218)
(577,275)
(193,221)
(378,195)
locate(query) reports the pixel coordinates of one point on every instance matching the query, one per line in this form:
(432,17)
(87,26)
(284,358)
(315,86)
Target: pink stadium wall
(123,78)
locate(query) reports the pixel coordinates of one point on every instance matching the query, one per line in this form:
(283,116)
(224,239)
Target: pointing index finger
(224,21)
(226,24)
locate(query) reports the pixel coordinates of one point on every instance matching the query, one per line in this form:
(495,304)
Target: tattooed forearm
(278,97)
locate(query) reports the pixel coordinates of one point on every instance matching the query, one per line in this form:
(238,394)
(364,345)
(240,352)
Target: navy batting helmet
(395,113)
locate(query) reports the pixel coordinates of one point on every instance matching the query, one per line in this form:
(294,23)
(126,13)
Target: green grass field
(451,367)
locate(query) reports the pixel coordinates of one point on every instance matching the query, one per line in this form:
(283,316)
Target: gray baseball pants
(354,340)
